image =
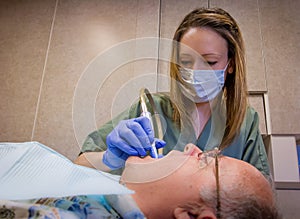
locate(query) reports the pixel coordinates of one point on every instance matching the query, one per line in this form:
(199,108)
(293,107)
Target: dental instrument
(154,120)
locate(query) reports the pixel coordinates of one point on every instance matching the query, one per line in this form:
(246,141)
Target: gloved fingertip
(159,143)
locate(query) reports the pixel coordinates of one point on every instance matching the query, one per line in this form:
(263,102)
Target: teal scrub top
(247,146)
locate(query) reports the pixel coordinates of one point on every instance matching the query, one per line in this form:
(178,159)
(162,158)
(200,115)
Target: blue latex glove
(131,137)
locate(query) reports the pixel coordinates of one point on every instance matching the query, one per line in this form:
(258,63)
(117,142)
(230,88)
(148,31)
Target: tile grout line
(158,45)
(265,95)
(44,70)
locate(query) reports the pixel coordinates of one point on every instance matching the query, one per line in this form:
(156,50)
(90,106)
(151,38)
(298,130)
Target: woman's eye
(187,64)
(211,63)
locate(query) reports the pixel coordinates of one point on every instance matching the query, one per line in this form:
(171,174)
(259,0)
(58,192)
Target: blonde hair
(235,88)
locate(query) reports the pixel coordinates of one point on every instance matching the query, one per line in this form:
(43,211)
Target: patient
(190,190)
(189,184)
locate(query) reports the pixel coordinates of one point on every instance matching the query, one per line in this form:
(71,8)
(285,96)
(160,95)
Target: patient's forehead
(240,173)
(233,167)
(239,165)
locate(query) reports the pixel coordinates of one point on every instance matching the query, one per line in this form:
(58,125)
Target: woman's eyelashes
(191,64)
(211,63)
(187,63)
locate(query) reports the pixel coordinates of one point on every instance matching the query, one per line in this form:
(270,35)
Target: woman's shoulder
(163,102)
(251,120)
(251,113)
(162,98)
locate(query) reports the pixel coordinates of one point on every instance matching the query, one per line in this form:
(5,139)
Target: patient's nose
(191,150)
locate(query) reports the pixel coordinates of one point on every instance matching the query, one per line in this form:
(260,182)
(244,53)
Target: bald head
(239,177)
(244,191)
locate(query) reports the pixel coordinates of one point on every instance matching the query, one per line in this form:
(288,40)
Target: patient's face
(177,171)
(180,176)
(147,169)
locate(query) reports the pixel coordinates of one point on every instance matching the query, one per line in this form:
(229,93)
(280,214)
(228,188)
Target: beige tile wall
(83,31)
(280,24)
(24,35)
(38,83)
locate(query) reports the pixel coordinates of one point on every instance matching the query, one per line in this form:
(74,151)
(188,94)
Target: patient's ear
(180,213)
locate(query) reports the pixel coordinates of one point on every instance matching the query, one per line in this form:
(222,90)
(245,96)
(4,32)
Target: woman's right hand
(132,137)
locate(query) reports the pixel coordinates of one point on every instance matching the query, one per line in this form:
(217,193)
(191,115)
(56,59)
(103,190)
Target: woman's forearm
(92,160)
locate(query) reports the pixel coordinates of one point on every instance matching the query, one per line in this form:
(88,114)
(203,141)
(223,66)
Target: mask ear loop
(226,66)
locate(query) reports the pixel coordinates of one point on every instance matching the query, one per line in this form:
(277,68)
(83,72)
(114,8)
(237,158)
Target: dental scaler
(147,114)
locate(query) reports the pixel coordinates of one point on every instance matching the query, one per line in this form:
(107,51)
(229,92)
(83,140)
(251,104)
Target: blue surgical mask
(202,85)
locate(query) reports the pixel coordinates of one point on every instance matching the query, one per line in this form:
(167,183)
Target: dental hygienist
(207,104)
